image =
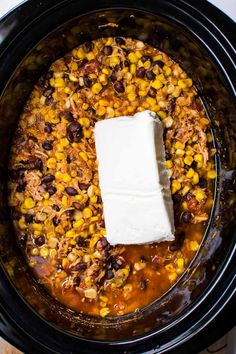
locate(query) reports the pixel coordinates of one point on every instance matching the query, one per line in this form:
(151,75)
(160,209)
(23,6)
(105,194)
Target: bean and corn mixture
(54,190)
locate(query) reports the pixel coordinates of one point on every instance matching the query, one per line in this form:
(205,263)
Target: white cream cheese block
(133,179)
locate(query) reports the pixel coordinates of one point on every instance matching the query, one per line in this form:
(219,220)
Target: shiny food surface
(54,194)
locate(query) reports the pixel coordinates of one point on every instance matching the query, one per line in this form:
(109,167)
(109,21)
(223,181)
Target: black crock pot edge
(28,4)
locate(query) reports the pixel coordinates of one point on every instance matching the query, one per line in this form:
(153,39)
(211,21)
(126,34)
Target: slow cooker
(199,307)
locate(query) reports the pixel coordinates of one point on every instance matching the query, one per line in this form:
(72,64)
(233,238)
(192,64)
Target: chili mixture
(54,193)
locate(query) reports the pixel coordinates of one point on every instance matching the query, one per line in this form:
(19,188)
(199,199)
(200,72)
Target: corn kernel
(78,197)
(59,82)
(185,206)
(179,145)
(87,213)
(157,84)
(198,158)
(195,178)
(37,227)
(58,175)
(133,69)
(78,223)
(85,122)
(200,196)
(100,111)
(182,84)
(169,164)
(29,203)
(180,263)
(209,137)
(172,276)
(60,155)
(104,311)
(34,252)
(83,155)
(188,160)
(194,245)
(133,58)
(66,177)
(87,133)
(131,97)
(80,53)
(70,233)
(211,174)
(185,190)
(65,263)
(190,173)
(64,201)
(51,162)
(96,88)
(176,186)
(90,56)
(93,200)
(73,78)
(114,61)
(22,224)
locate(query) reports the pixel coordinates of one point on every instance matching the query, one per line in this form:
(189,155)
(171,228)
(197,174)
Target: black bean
(87,81)
(68,159)
(171,107)
(186,217)
(80,267)
(109,274)
(107,50)
(51,190)
(29,218)
(14,174)
(88,47)
(143,284)
(40,241)
(78,206)
(71,191)
(21,186)
(113,77)
(47,145)
(188,196)
(102,243)
(126,63)
(48,178)
(159,63)
(77,281)
(116,68)
(150,75)
(82,62)
(202,182)
(56,207)
(67,115)
(80,241)
(33,138)
(152,92)
(194,164)
(91,110)
(55,221)
(146,58)
(140,72)
(48,127)
(47,92)
(119,87)
(74,132)
(34,163)
(83,186)
(119,41)
(49,74)
(179,240)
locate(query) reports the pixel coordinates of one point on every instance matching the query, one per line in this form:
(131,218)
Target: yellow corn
(198,158)
(176,186)
(161,114)
(200,196)
(190,173)
(157,84)
(194,246)
(90,56)
(114,61)
(133,58)
(66,177)
(83,155)
(22,224)
(87,213)
(85,122)
(211,174)
(60,155)
(37,227)
(96,88)
(60,187)
(195,178)
(169,164)
(29,203)
(179,145)
(51,162)
(133,69)
(188,160)
(78,223)
(131,97)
